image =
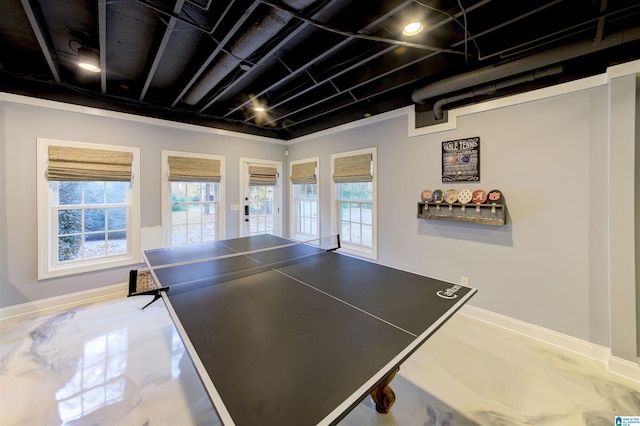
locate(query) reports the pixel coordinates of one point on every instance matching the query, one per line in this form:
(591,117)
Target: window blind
(191,169)
(304,173)
(355,168)
(263,175)
(84,164)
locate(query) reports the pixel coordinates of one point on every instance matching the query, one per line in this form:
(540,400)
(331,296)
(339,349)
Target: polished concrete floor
(110,363)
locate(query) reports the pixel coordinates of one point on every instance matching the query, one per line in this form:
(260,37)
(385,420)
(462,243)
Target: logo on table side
(449,293)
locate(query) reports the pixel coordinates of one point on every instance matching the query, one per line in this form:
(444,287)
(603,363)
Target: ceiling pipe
(537,60)
(494,87)
(261,32)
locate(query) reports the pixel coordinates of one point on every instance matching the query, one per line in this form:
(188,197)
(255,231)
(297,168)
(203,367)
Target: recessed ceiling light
(89,60)
(413,28)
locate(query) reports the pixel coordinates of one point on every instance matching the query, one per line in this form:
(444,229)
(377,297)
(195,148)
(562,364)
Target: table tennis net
(191,274)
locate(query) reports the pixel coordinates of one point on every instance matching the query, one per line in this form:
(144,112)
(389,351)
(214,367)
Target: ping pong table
(288,333)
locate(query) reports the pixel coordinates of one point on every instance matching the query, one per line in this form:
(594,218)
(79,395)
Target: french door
(261,197)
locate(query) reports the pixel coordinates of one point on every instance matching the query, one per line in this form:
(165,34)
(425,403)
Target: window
(354,212)
(304,200)
(193,198)
(88,209)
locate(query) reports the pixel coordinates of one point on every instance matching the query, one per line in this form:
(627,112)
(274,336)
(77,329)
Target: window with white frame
(193,197)
(88,207)
(354,210)
(304,199)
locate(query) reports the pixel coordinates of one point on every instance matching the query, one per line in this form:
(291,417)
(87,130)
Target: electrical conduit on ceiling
(261,32)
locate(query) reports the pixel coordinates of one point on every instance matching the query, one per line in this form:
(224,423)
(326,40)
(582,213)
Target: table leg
(383,395)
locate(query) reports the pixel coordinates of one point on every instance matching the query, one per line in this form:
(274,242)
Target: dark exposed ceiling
(313,64)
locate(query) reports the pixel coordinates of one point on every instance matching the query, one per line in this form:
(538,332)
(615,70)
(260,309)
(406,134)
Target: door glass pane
(261,210)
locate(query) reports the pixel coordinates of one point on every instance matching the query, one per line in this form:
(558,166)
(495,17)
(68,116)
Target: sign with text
(461,160)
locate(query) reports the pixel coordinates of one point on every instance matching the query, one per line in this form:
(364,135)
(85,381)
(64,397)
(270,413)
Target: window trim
(166,202)
(47,267)
(357,250)
(293,216)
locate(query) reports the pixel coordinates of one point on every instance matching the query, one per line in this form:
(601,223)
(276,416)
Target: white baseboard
(627,369)
(58,303)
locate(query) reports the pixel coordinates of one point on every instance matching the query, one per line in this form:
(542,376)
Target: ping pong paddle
(479,196)
(451,196)
(437,196)
(495,197)
(426,195)
(464,197)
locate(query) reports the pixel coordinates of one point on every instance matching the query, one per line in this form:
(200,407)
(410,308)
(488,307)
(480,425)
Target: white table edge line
(214,396)
(381,374)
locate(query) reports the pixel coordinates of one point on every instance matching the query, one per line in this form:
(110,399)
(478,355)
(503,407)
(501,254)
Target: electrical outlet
(464,280)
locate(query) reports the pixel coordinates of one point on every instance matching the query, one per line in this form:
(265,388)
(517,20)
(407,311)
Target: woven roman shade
(304,173)
(263,175)
(191,169)
(84,164)
(355,168)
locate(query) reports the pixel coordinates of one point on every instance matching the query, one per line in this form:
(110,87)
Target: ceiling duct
(493,88)
(259,33)
(547,58)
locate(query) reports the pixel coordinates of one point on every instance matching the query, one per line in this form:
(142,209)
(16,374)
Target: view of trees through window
(261,214)
(356,212)
(193,212)
(306,201)
(92,220)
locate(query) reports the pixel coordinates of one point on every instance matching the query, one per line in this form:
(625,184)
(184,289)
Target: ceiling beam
(44,47)
(102,40)
(304,67)
(361,63)
(217,50)
(268,56)
(161,49)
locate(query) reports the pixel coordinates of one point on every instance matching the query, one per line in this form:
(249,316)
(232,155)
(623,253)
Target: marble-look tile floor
(109,363)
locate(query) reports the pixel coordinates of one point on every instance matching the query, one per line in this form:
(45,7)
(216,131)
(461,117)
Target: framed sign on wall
(461,160)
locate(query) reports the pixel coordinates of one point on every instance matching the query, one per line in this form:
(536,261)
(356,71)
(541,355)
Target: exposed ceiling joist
(312,64)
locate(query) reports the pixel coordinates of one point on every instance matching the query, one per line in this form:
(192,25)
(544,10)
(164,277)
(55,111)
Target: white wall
(549,266)
(24,119)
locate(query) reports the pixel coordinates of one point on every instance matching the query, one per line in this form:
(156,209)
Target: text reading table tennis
(296,334)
